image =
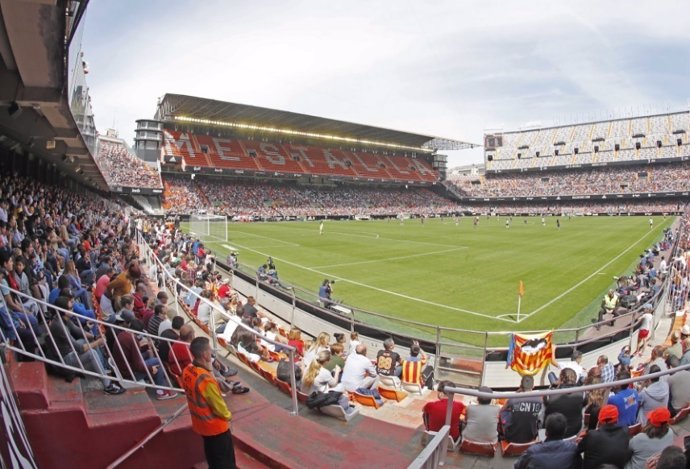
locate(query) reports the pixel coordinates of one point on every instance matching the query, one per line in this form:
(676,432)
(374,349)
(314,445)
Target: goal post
(208,227)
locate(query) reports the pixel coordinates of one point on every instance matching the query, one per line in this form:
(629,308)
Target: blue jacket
(550,454)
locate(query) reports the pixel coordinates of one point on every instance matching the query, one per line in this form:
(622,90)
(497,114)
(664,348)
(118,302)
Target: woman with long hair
(318,378)
(594,401)
(320,344)
(75,284)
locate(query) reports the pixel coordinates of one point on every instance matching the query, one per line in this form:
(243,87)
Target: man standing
(210,414)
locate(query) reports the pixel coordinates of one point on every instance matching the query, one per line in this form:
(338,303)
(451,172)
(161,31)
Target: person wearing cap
(554,451)
(655,436)
(654,395)
(608,444)
(685,333)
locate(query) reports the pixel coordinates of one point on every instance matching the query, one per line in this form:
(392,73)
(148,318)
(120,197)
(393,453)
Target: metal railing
(175,286)
(443,342)
(433,454)
(36,340)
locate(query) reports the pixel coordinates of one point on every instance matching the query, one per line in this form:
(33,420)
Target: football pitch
(455,275)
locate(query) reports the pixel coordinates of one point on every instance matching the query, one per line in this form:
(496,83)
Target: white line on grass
(371,287)
(596,272)
(397,258)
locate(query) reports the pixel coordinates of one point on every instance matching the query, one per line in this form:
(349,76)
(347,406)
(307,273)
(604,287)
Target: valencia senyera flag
(529,354)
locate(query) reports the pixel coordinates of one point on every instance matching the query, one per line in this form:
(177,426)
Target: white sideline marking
(231,248)
(371,287)
(596,272)
(389,258)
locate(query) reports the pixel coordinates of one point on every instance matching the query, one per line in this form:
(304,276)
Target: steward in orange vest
(210,414)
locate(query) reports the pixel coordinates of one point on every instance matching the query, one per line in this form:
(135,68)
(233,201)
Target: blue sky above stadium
(448,68)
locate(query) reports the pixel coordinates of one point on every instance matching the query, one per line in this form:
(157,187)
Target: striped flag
(521,289)
(529,354)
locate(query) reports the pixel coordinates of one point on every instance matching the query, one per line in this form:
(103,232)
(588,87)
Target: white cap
(685,330)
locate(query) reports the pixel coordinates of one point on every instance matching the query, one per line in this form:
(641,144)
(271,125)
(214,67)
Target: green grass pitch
(452,275)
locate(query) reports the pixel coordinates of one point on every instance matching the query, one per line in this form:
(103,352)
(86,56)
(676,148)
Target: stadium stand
(591,181)
(263,199)
(123,169)
(645,138)
(253,156)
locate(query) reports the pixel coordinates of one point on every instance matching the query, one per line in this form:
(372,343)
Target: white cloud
(446,68)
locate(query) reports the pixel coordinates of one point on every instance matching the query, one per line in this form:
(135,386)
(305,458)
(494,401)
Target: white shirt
(647,321)
(575,366)
(357,367)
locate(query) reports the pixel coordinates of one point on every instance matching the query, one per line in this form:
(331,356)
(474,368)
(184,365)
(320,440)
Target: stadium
(348,285)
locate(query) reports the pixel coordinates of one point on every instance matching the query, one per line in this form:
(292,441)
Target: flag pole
(518,311)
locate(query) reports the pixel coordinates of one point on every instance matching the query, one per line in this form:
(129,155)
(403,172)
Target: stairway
(70,425)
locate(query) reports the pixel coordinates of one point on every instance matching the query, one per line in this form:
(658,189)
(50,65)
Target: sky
(453,69)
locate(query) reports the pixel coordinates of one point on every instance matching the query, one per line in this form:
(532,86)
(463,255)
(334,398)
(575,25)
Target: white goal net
(209,226)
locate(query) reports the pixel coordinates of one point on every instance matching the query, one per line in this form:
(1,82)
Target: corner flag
(521,289)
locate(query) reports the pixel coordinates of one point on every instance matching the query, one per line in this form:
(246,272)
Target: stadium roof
(202,111)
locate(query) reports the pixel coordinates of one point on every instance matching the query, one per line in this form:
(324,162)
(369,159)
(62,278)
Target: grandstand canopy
(176,107)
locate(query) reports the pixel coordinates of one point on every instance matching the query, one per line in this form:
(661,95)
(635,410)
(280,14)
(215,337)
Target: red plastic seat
(475,447)
(509,449)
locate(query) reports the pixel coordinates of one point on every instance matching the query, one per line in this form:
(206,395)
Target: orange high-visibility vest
(204,421)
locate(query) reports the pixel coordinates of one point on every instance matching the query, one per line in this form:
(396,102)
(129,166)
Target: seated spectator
(608,371)
(519,417)
(655,394)
(413,365)
(160,314)
(434,412)
(676,348)
(174,334)
(575,364)
(205,307)
(130,360)
(388,362)
(295,340)
(626,399)
(679,387)
(358,373)
(318,378)
(337,358)
(354,342)
(79,353)
(608,443)
(671,457)
(249,310)
(319,345)
(595,400)
(481,420)
(554,451)
(179,356)
(568,405)
(655,436)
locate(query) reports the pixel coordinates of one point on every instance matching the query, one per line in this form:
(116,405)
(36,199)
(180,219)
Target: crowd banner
(529,354)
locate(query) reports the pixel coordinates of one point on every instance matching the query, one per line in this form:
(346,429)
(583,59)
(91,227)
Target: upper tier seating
(595,143)
(121,168)
(257,156)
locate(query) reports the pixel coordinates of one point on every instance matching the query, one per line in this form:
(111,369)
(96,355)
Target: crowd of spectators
(123,169)
(594,181)
(269,200)
(572,208)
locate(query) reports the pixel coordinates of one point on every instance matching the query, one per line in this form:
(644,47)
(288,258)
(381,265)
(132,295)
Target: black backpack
(322,399)
(283,371)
